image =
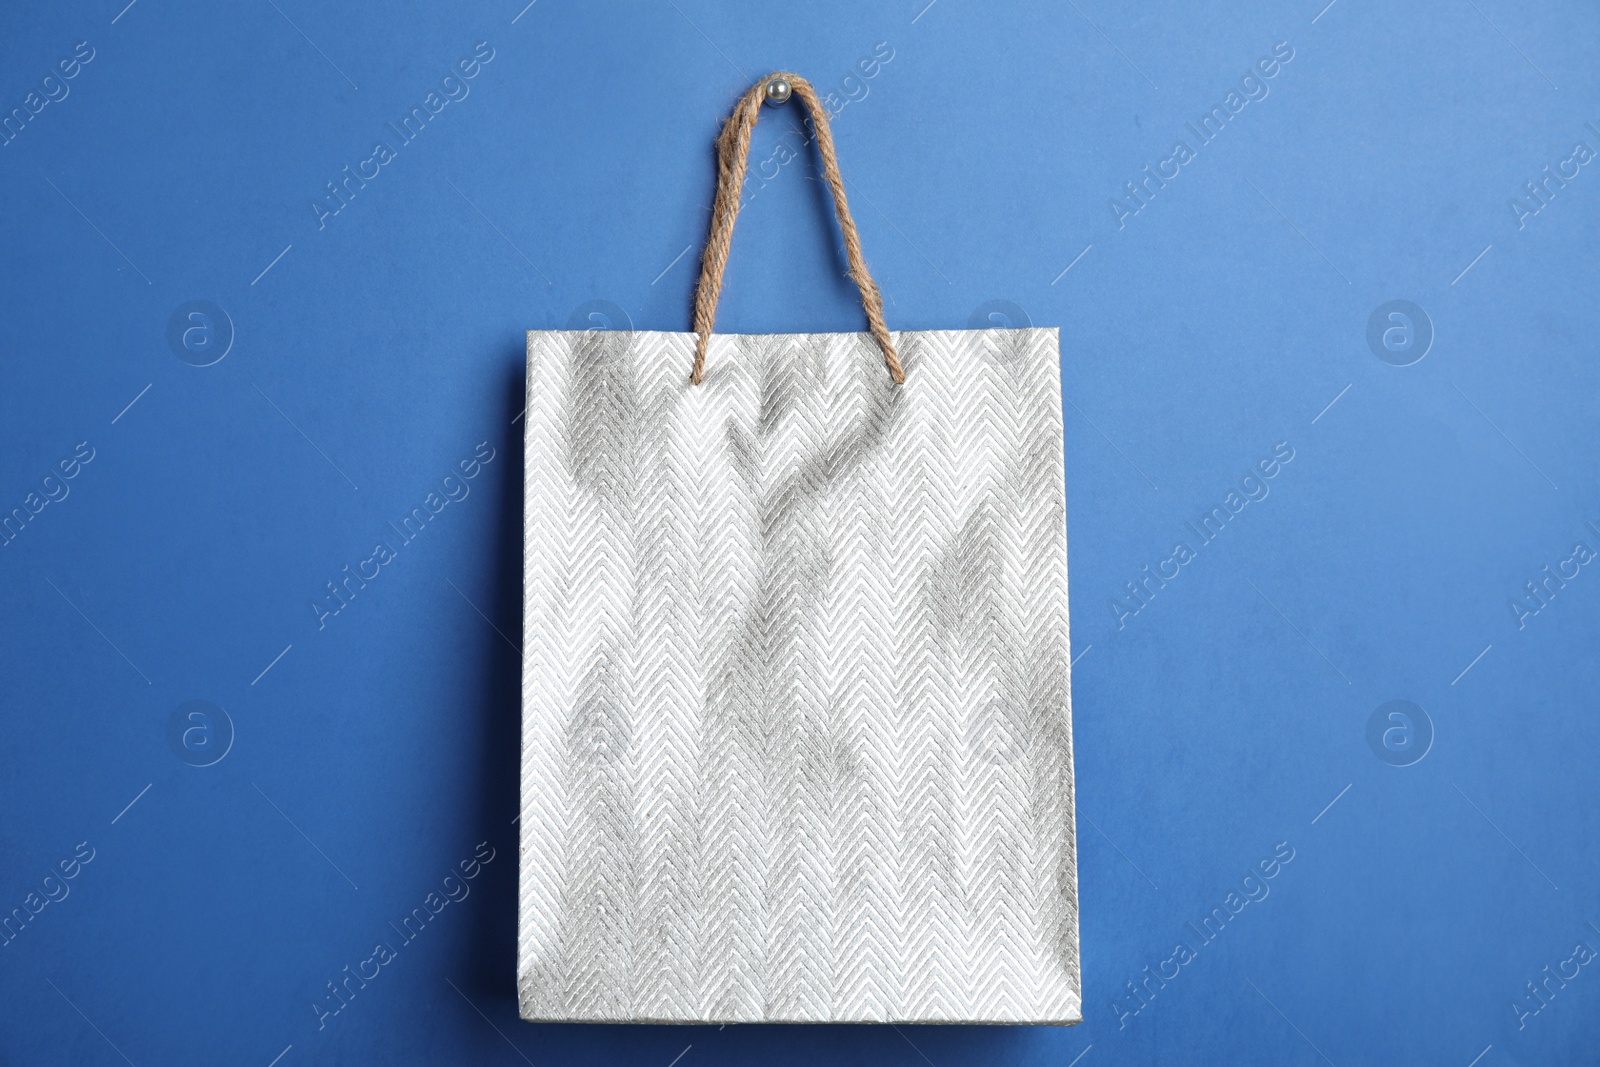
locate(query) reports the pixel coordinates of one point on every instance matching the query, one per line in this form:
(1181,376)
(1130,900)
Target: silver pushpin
(778,90)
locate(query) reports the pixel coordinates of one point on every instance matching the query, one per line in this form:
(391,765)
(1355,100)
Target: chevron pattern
(796,707)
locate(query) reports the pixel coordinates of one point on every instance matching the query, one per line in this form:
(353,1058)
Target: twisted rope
(733,159)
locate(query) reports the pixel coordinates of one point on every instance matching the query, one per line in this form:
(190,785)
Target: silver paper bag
(796,729)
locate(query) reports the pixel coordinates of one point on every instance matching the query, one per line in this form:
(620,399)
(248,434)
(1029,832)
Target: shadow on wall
(786,1043)
(496,709)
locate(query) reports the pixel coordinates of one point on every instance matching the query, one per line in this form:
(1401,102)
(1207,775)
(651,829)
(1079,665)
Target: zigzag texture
(796,707)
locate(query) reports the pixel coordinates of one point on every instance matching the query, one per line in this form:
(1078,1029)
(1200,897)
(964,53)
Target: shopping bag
(796,728)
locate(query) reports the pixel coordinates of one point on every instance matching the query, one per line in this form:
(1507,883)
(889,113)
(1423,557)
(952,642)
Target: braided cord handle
(733,159)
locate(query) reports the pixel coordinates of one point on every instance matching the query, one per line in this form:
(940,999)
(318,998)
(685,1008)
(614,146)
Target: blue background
(362,761)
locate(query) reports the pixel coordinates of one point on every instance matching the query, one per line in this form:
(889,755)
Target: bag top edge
(836,333)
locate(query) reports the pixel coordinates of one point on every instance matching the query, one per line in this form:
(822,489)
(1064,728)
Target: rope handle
(733,159)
